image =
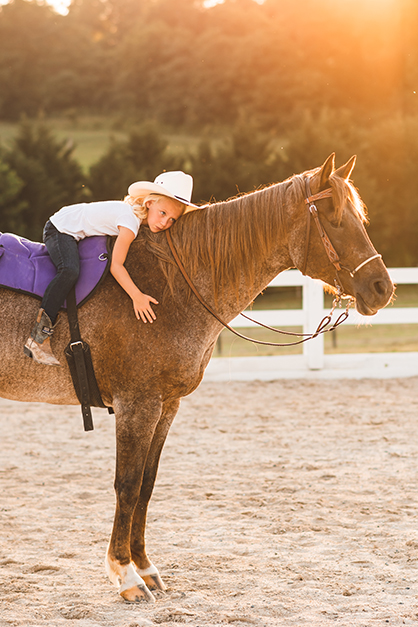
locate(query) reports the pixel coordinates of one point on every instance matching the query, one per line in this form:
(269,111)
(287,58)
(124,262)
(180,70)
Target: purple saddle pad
(26,266)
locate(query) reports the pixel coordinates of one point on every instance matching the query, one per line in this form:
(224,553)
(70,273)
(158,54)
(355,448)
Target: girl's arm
(141,302)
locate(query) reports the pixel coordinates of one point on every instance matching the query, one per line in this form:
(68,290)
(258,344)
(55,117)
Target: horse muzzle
(373,294)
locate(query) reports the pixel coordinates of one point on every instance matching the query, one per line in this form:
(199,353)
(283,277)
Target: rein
(322,327)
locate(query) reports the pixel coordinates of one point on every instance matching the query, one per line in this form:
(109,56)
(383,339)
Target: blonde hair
(138,203)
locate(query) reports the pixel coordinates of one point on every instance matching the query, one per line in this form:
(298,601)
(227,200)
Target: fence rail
(313,311)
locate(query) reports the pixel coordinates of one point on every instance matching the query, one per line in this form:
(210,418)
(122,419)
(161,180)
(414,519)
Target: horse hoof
(154,582)
(137,593)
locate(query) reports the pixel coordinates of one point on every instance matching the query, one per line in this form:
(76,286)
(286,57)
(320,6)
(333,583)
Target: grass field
(91,135)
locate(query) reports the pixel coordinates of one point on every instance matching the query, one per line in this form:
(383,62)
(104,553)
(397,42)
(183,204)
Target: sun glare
(60,6)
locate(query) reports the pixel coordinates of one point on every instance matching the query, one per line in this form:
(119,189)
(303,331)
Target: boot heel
(28,352)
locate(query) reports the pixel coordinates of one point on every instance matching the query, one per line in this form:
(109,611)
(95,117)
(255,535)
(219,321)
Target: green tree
(49,62)
(387,179)
(50,176)
(26,40)
(142,156)
(10,206)
(247,160)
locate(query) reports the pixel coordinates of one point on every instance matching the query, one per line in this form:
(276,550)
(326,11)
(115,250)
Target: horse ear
(326,170)
(345,170)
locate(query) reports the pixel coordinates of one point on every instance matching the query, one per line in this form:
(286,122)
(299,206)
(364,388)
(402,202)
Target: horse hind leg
(145,568)
(134,433)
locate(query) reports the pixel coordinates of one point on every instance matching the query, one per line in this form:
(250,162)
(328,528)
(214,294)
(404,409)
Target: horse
(231,250)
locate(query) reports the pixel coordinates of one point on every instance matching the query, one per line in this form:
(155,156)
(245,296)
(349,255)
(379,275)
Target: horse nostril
(382,288)
(379,287)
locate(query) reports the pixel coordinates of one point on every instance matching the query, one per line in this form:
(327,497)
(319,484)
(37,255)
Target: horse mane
(220,236)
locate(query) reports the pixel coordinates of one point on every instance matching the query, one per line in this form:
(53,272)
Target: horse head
(332,240)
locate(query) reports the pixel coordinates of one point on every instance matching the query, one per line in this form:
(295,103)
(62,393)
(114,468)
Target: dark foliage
(46,178)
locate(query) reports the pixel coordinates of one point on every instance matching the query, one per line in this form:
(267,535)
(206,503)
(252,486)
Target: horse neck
(247,248)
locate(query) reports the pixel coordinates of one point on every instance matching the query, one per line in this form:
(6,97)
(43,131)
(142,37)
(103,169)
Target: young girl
(158,205)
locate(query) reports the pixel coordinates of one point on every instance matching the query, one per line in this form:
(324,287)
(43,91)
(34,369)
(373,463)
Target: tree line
(181,63)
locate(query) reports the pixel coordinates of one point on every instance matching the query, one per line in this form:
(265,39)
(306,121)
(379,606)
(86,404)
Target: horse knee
(127,494)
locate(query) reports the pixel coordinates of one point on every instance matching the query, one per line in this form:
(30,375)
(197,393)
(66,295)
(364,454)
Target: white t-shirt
(95,218)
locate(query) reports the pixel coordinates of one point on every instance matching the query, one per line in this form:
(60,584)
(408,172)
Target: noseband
(329,248)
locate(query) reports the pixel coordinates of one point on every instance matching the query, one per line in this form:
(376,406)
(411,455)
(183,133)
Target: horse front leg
(146,569)
(135,426)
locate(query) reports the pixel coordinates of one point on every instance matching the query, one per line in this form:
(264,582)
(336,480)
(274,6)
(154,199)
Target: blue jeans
(63,250)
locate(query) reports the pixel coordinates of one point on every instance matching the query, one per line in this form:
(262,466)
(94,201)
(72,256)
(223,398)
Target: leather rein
(332,255)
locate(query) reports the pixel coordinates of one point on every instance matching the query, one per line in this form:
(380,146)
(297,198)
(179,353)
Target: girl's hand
(142,307)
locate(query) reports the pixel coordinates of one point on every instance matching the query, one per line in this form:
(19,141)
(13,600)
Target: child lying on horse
(158,205)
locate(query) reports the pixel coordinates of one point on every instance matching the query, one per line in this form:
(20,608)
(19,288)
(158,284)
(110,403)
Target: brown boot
(38,345)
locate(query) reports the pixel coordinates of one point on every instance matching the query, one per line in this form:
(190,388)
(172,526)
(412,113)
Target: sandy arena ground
(288,503)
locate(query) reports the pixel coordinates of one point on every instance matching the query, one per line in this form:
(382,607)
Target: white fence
(313,358)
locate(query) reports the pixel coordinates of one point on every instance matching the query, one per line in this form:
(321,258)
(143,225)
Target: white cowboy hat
(176,185)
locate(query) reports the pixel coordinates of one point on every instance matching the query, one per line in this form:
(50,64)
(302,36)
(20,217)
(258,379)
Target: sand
(286,503)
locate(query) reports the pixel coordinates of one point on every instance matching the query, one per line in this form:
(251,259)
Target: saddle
(26,267)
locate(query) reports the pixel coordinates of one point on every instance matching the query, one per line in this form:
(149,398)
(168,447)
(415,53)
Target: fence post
(313,305)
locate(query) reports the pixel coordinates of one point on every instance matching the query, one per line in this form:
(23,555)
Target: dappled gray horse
(231,250)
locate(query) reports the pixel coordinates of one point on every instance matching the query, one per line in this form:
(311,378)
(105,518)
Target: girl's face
(162,214)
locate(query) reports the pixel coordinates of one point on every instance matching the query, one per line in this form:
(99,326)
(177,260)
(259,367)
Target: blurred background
(98,93)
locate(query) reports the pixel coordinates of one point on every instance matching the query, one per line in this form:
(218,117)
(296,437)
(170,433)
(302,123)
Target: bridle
(329,248)
(325,324)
